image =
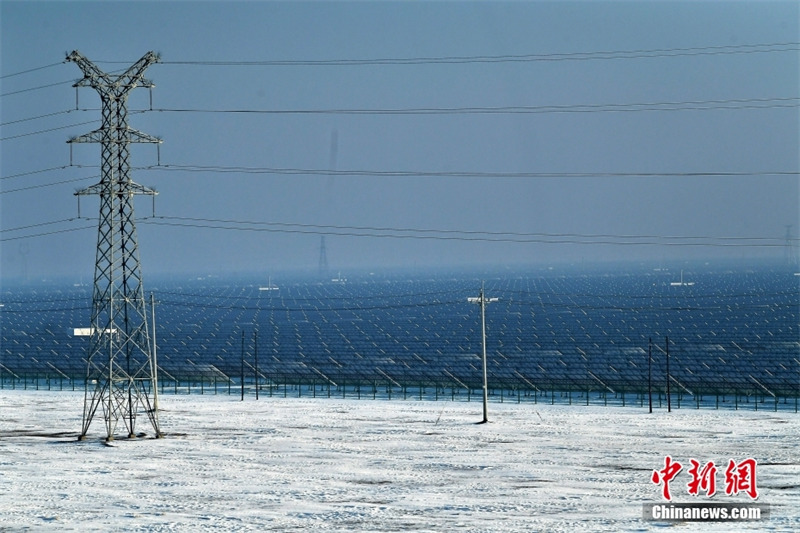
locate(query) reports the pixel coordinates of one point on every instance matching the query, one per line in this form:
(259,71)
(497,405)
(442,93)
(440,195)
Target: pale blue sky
(744,119)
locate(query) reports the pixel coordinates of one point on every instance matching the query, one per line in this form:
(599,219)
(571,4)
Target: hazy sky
(681,119)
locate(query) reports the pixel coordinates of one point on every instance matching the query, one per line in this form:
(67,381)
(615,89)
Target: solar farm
(718,337)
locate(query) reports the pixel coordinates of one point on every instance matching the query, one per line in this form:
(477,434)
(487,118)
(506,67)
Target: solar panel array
(730,332)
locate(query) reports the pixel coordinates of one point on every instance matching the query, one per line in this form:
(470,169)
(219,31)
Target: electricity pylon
(323,259)
(120,372)
(323,251)
(790,257)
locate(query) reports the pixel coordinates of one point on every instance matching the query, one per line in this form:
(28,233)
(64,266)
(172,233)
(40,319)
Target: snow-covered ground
(290,464)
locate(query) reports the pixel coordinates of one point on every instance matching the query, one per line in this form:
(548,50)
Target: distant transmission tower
(323,258)
(120,372)
(323,250)
(790,255)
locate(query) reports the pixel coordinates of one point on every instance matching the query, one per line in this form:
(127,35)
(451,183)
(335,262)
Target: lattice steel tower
(120,373)
(789,253)
(323,258)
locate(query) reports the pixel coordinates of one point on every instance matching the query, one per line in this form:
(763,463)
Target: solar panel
(730,333)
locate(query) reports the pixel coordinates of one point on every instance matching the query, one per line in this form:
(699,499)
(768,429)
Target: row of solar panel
(725,366)
(593,328)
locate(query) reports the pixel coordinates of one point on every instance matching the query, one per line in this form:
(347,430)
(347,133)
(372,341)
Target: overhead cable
(48,130)
(43,185)
(509,58)
(29,89)
(696,105)
(31,172)
(690,105)
(37,225)
(457,173)
(520,239)
(54,232)
(28,119)
(4,76)
(472,232)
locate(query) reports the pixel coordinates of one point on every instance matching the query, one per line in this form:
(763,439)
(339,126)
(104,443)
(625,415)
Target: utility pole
(255,352)
(120,369)
(242,365)
(482,301)
(669,398)
(650,373)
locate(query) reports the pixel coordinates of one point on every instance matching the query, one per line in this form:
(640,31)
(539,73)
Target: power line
(4,76)
(4,239)
(57,310)
(571,296)
(505,58)
(31,172)
(395,173)
(699,105)
(472,232)
(691,105)
(55,113)
(29,89)
(508,58)
(43,185)
(43,301)
(456,173)
(433,234)
(38,225)
(46,130)
(452,235)
(650,308)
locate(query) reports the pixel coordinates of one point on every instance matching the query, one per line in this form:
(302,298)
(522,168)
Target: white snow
(302,464)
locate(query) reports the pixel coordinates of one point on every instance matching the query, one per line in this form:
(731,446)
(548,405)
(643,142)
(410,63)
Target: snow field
(294,464)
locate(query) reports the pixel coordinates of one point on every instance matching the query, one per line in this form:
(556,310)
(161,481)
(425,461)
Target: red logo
(739,477)
(665,475)
(704,479)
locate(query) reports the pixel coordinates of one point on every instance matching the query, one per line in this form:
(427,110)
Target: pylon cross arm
(134,76)
(91,74)
(130,188)
(131,136)
(136,136)
(95,136)
(103,83)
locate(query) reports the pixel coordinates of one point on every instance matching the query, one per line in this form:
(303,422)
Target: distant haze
(409,134)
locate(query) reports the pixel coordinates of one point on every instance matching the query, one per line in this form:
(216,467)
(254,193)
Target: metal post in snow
(482,300)
(255,352)
(650,373)
(669,399)
(242,365)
